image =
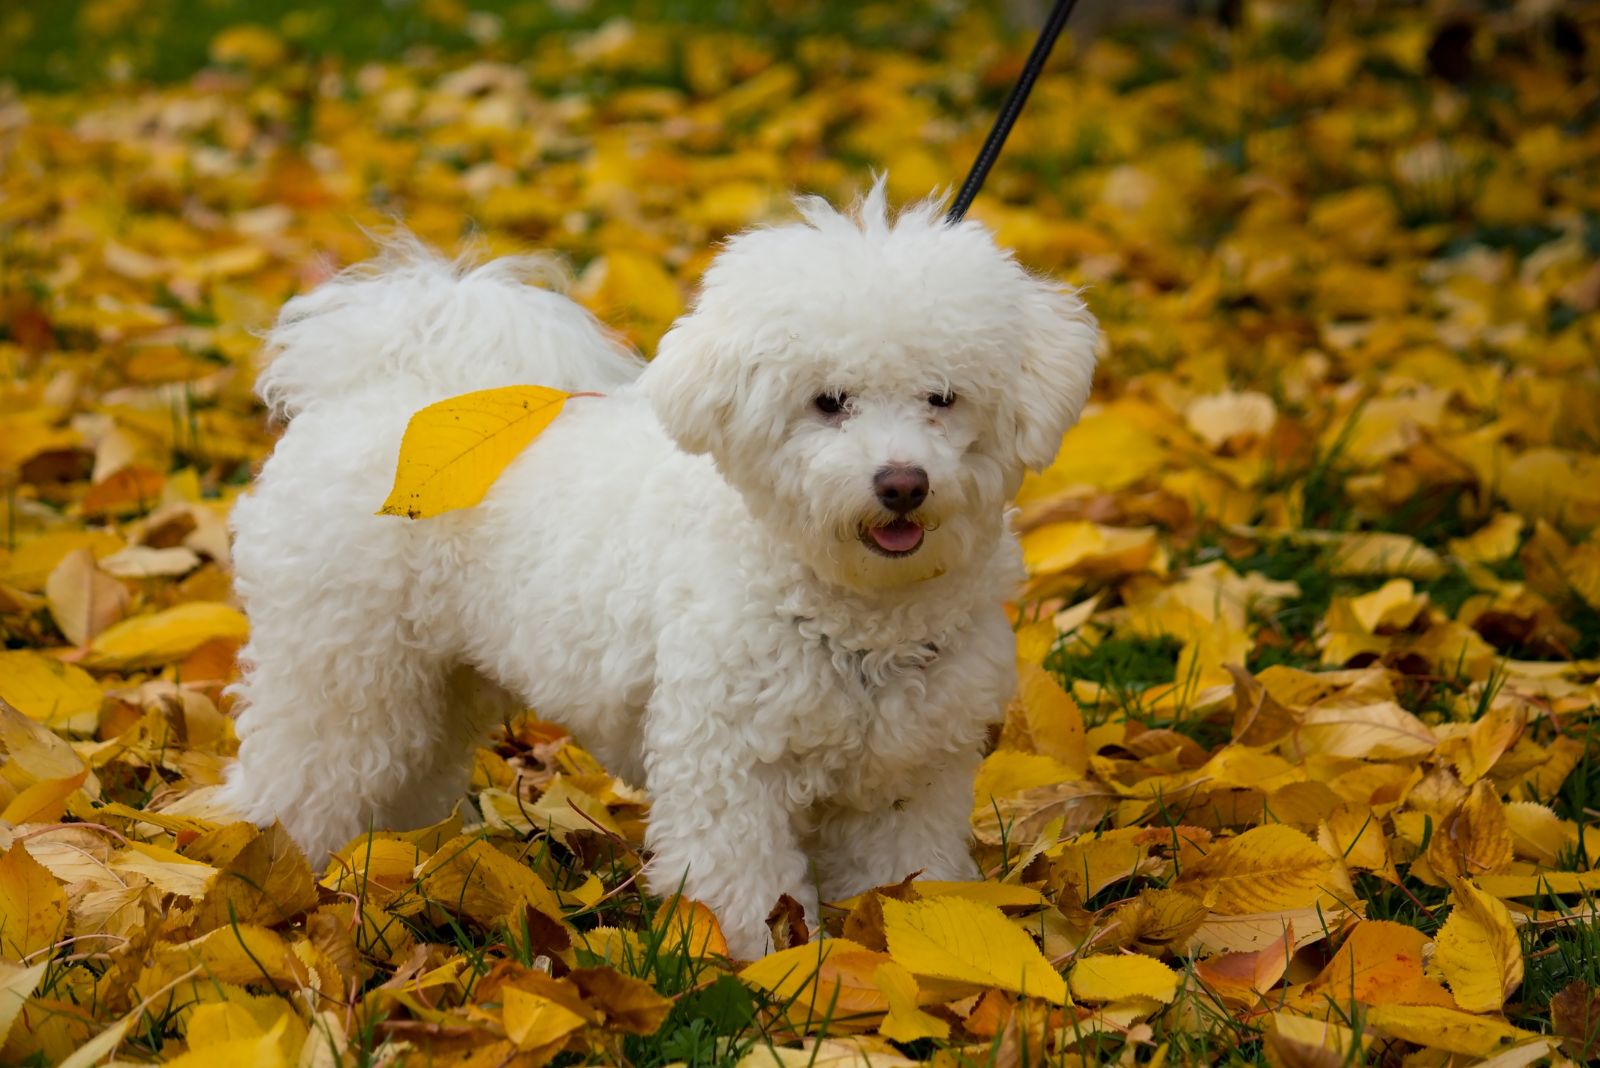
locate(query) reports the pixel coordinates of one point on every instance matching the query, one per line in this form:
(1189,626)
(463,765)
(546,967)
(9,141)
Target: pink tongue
(898,537)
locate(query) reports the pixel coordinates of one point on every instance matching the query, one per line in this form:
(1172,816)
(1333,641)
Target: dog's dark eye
(941,400)
(831,403)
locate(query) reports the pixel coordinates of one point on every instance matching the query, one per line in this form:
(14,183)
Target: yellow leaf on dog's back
(454,450)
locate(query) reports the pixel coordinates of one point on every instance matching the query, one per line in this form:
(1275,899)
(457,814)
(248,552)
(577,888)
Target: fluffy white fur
(675,571)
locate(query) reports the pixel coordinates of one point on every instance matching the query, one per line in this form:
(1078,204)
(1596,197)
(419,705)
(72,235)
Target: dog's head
(875,387)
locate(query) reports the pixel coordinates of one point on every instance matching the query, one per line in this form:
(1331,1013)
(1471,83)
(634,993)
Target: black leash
(1011,109)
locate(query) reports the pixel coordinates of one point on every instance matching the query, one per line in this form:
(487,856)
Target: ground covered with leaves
(1304,765)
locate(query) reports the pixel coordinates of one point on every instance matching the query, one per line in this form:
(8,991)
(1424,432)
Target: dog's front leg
(722,833)
(927,829)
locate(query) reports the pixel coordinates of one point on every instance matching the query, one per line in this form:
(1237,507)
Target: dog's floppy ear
(1059,339)
(691,384)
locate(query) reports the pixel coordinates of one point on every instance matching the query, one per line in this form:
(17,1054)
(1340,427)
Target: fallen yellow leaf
(952,938)
(1478,951)
(1379,963)
(905,1022)
(1265,868)
(259,1032)
(16,986)
(532,1021)
(33,906)
(1447,1029)
(468,876)
(164,637)
(1300,1042)
(1107,977)
(1474,840)
(42,688)
(84,599)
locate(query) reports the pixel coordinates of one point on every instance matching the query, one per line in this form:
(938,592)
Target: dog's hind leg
(335,741)
(472,706)
(352,716)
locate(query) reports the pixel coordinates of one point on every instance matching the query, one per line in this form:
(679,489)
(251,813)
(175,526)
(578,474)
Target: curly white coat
(676,571)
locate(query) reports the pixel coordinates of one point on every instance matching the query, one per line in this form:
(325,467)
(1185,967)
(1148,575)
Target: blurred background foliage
(55,44)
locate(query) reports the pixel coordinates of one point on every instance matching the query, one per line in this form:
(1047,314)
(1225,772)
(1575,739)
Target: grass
(711,1026)
(715,1020)
(1554,957)
(1411,901)
(1124,667)
(1578,799)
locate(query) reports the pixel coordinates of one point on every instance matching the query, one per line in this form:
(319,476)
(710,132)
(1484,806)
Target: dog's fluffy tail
(449,326)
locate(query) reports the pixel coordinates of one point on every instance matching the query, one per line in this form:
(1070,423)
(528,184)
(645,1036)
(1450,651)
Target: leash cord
(1011,109)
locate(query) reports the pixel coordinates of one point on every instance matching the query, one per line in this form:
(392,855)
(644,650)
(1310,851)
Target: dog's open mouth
(899,538)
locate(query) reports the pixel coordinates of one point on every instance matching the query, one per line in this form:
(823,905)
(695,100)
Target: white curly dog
(762,576)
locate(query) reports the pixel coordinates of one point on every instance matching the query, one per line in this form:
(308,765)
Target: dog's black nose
(901,489)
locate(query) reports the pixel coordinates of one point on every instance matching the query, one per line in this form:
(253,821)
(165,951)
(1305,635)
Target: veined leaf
(1262,870)
(952,938)
(1380,963)
(49,691)
(1478,950)
(16,986)
(454,450)
(1447,1029)
(33,906)
(1116,977)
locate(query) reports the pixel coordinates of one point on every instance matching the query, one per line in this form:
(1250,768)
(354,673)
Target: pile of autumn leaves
(1382,364)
